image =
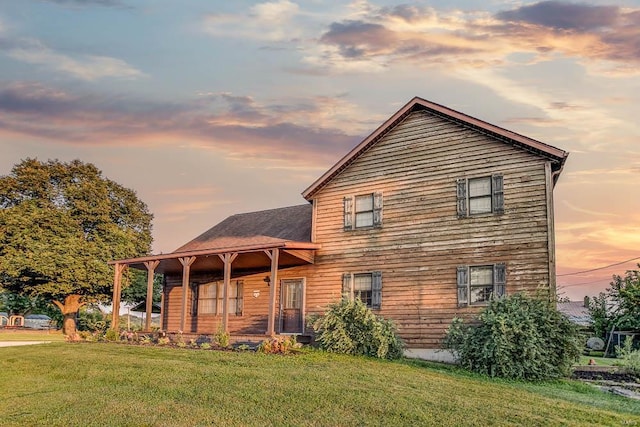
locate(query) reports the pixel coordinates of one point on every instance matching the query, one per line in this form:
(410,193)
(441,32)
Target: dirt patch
(611,380)
(602,375)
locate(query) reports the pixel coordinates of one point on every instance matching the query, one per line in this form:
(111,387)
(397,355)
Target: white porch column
(227,259)
(186,267)
(274,254)
(151,267)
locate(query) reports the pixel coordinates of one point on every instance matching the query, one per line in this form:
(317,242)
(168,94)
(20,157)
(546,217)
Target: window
(365,286)
(480,195)
(476,284)
(366,213)
(211,298)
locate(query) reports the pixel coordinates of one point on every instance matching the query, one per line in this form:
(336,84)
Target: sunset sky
(210,108)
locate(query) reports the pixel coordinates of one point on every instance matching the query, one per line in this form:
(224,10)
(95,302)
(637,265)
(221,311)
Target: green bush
(349,327)
(517,337)
(111,335)
(628,357)
(92,320)
(221,338)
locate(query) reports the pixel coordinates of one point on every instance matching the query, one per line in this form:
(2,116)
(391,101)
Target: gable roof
(555,155)
(275,226)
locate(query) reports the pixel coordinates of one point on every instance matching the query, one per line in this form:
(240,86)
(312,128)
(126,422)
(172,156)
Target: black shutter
(463,285)
(498,194)
(348,213)
(346,286)
(376,288)
(240,297)
(462,197)
(499,279)
(195,291)
(377,209)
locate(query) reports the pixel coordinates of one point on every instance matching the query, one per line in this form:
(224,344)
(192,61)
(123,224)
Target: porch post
(117,291)
(151,267)
(186,267)
(162,306)
(227,259)
(274,254)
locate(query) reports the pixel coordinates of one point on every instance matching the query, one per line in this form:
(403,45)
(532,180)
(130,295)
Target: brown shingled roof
(291,223)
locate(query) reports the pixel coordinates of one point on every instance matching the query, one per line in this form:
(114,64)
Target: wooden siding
(421,241)
(255,309)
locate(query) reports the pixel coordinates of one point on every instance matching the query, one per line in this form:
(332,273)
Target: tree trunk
(69,310)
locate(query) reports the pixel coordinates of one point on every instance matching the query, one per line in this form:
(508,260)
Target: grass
(108,384)
(30,335)
(600,361)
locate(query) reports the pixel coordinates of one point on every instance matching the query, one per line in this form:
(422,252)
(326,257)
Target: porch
(227,267)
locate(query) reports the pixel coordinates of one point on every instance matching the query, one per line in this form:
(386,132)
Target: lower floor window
(211,298)
(478,283)
(365,286)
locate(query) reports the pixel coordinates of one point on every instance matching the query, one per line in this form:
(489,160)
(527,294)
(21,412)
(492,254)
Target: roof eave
(289,244)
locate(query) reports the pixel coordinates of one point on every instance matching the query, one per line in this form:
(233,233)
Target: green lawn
(28,335)
(109,384)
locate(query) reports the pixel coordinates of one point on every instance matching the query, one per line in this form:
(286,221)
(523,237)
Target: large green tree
(136,292)
(59,225)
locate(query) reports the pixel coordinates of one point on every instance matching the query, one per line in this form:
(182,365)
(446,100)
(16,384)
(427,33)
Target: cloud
(84,67)
(237,126)
(270,20)
(588,211)
(592,32)
(408,13)
(357,38)
(564,16)
(605,36)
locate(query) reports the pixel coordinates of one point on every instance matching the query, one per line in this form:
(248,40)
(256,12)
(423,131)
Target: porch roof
(249,235)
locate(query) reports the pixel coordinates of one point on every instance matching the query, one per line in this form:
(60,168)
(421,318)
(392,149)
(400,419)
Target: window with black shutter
(476,284)
(366,287)
(363,211)
(480,195)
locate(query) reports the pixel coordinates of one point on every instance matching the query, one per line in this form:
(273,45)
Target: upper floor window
(480,195)
(365,212)
(365,286)
(477,283)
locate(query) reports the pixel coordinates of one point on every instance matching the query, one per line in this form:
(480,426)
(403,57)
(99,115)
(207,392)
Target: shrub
(349,327)
(279,345)
(628,357)
(222,339)
(516,337)
(92,320)
(243,347)
(111,335)
(205,346)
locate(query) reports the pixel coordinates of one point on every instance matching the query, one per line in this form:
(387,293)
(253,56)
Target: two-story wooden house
(424,220)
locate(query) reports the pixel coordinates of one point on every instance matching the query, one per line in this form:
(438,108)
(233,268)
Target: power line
(599,268)
(579,284)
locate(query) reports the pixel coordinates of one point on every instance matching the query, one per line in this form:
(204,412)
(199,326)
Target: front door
(291,306)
